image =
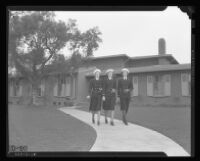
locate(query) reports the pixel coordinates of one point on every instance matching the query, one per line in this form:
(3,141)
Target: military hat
(125,69)
(96,70)
(109,70)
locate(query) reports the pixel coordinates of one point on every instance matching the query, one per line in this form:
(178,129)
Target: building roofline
(150,56)
(157,68)
(136,57)
(108,56)
(154,56)
(153,68)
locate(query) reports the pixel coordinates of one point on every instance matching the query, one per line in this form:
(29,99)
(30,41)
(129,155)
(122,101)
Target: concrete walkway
(127,138)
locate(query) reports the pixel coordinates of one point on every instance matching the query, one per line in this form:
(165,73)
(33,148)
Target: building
(158,80)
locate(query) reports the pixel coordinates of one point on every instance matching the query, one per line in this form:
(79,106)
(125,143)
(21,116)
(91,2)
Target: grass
(48,129)
(173,122)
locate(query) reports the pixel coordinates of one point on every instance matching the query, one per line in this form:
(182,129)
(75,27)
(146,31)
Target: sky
(136,33)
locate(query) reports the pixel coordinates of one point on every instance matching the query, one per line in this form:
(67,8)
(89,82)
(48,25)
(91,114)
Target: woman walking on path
(109,88)
(95,95)
(125,87)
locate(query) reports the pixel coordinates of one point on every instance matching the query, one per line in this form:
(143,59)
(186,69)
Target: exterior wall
(108,63)
(163,61)
(48,98)
(175,99)
(25,97)
(82,85)
(142,62)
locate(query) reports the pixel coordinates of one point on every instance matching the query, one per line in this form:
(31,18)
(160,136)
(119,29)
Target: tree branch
(50,56)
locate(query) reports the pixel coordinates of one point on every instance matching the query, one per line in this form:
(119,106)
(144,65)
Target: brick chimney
(161,46)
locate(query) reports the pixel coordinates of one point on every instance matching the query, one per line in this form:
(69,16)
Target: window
(186,84)
(74,87)
(149,85)
(62,86)
(41,89)
(30,89)
(68,86)
(159,85)
(15,88)
(135,86)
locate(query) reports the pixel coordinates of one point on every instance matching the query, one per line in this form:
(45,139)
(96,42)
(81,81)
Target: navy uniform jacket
(124,85)
(108,85)
(96,92)
(124,92)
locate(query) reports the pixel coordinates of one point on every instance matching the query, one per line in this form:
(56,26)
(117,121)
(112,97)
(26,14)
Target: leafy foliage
(85,43)
(35,39)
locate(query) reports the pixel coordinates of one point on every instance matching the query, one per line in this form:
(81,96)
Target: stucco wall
(48,99)
(25,98)
(82,85)
(163,61)
(142,62)
(175,99)
(108,63)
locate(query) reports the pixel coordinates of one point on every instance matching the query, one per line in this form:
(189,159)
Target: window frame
(63,78)
(163,78)
(42,83)
(12,84)
(135,81)
(187,79)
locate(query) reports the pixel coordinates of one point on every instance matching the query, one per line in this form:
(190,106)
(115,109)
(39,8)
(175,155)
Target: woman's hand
(113,90)
(88,97)
(126,90)
(118,100)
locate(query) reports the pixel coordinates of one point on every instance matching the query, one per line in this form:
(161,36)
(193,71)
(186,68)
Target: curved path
(127,138)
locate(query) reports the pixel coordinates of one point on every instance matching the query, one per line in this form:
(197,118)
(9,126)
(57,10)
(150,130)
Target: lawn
(48,129)
(173,122)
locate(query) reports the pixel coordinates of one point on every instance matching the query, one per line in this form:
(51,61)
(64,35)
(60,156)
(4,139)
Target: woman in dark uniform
(125,87)
(110,95)
(95,93)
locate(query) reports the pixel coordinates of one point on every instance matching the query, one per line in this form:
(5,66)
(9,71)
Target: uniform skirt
(109,103)
(124,103)
(95,102)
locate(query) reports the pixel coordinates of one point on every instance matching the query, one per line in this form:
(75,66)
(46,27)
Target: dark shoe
(125,122)
(123,119)
(106,121)
(112,123)
(93,121)
(98,123)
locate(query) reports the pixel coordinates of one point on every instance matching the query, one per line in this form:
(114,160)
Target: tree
(35,39)
(85,43)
